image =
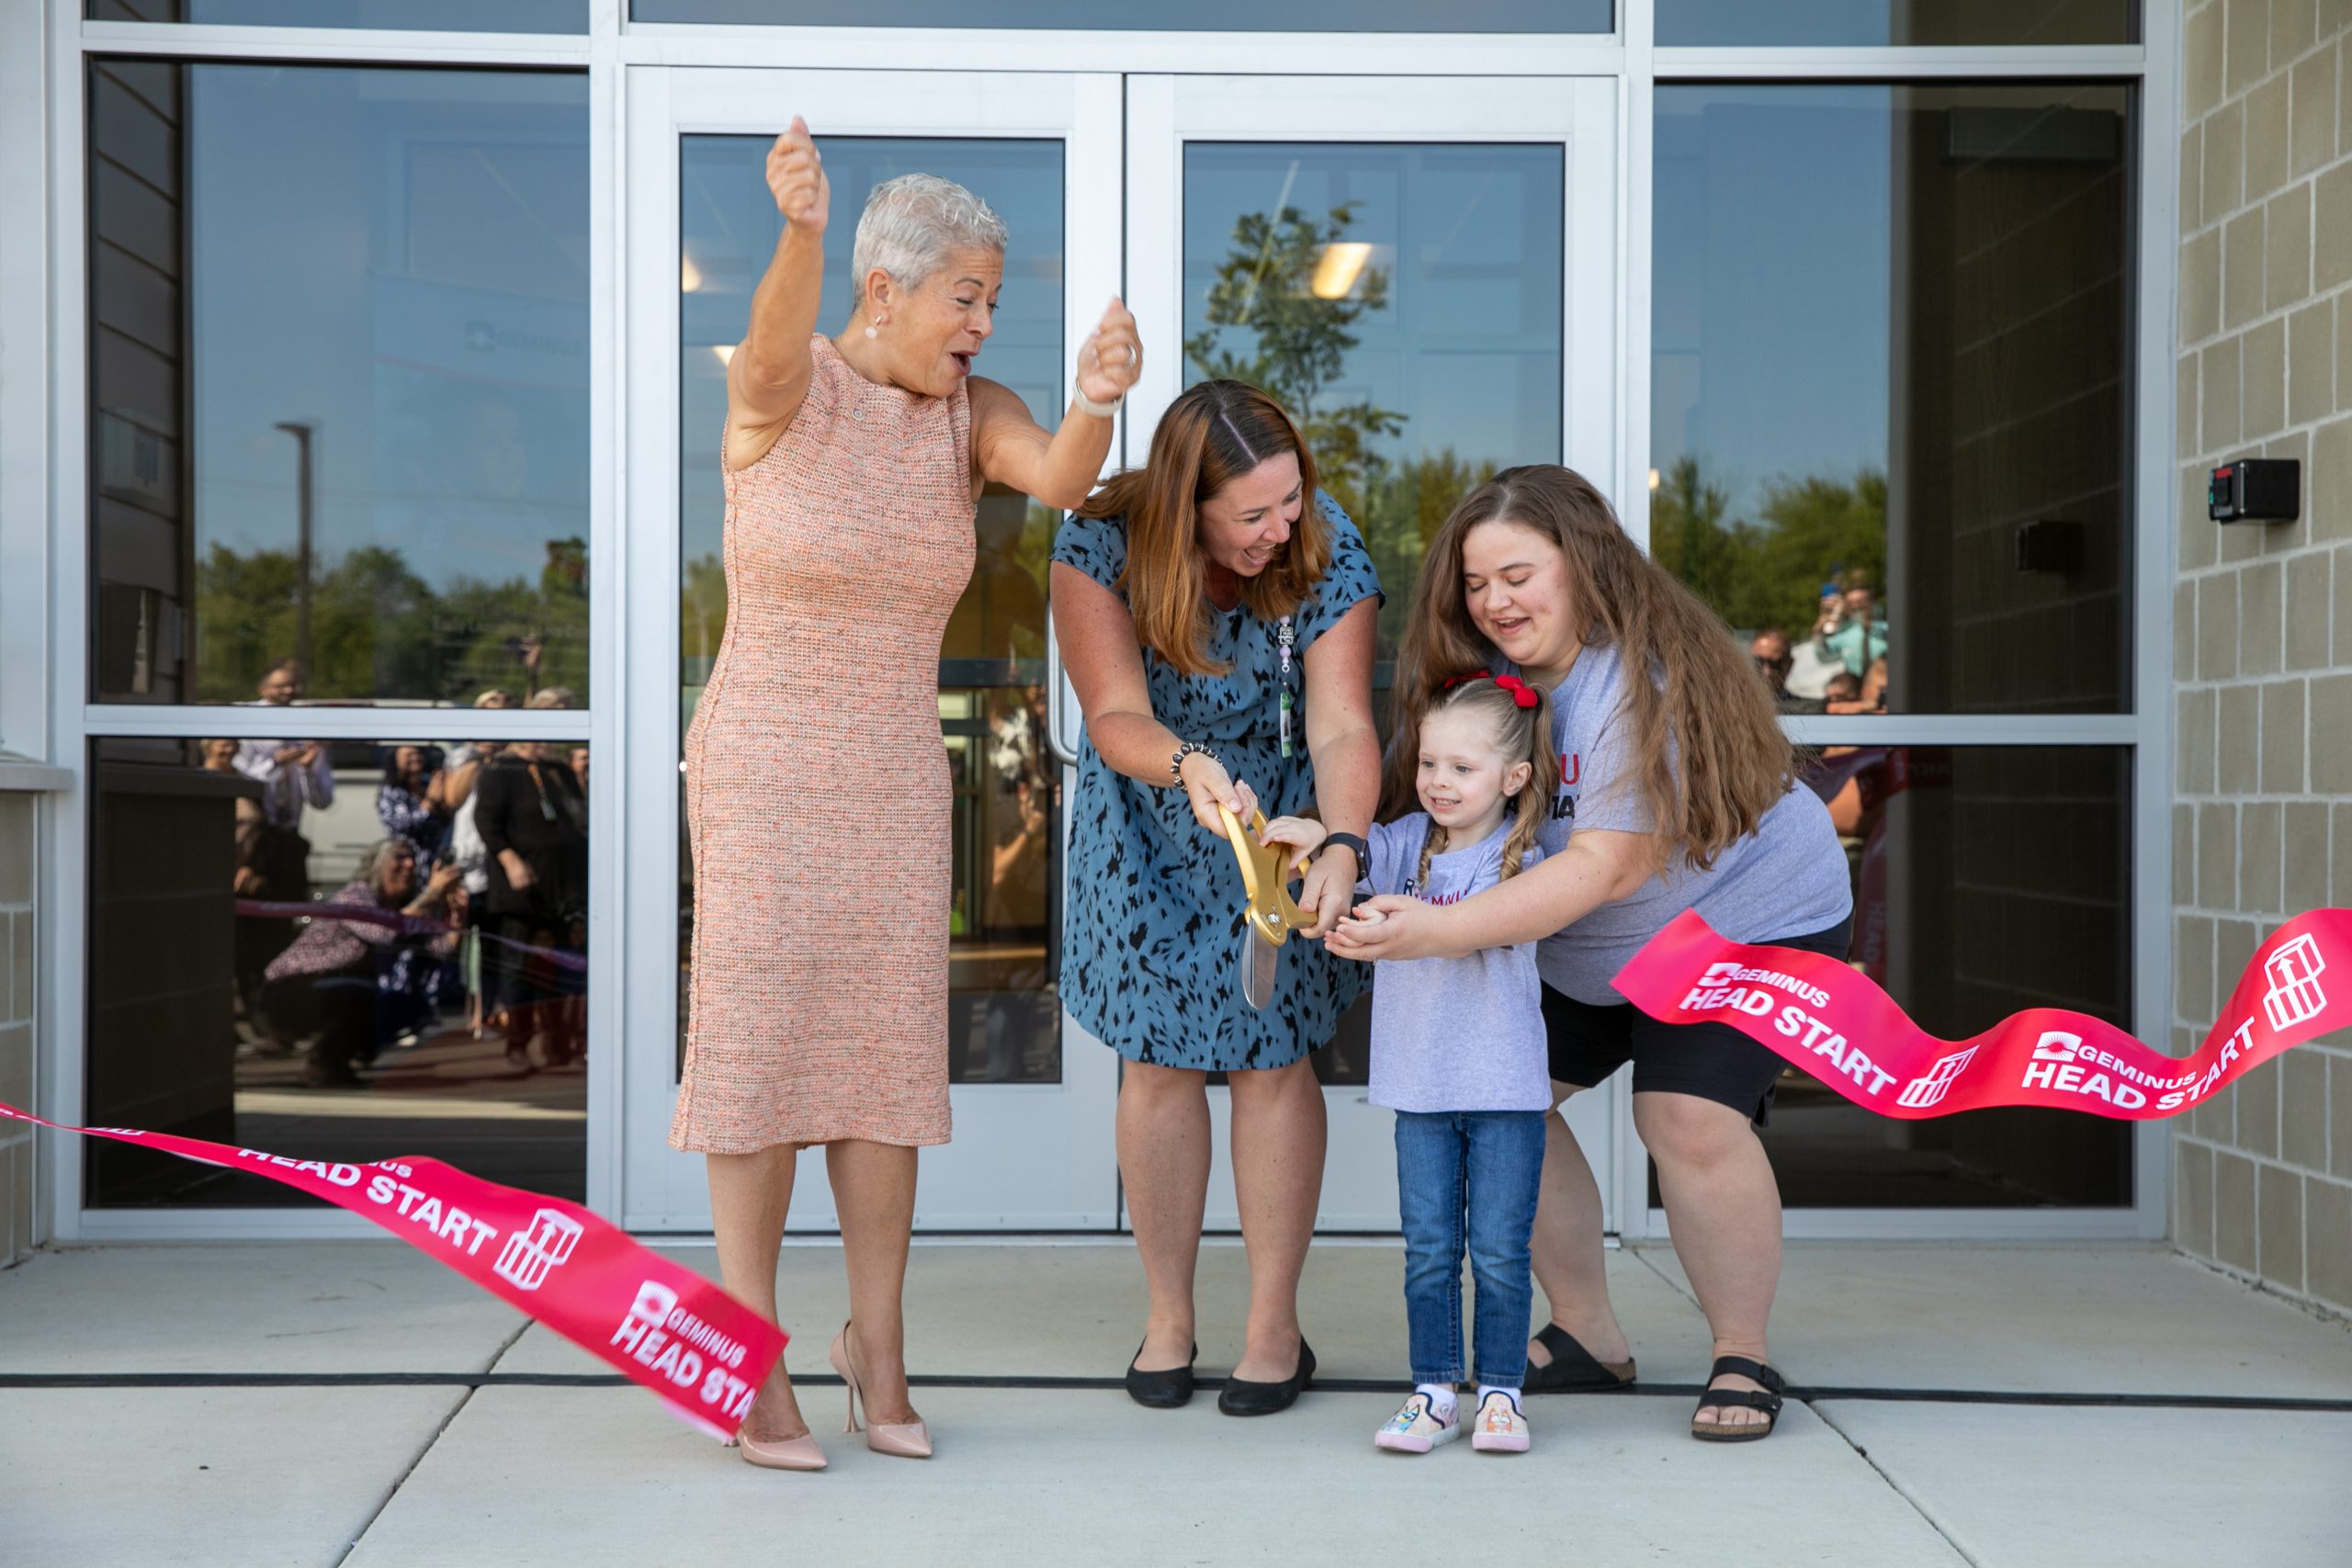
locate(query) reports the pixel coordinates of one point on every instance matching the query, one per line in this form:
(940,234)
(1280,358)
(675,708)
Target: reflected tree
(1768,570)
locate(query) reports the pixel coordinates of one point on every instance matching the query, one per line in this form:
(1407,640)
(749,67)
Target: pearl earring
(871,333)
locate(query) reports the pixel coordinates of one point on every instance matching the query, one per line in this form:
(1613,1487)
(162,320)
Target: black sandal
(1767,1399)
(1573,1368)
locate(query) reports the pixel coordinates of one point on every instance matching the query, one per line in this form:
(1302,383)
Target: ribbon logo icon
(2295,995)
(535,1251)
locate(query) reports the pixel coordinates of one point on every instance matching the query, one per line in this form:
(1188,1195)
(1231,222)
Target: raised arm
(1013,449)
(1098,642)
(769,372)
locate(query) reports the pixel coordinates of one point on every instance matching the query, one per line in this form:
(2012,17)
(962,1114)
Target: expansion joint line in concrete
(1805,1393)
(468,1384)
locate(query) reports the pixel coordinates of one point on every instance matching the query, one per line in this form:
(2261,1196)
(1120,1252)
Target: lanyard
(1284,638)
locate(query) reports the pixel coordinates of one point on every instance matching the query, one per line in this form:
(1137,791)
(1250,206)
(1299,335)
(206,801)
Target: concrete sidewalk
(165,1448)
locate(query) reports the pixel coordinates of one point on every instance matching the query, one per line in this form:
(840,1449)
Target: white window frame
(43,565)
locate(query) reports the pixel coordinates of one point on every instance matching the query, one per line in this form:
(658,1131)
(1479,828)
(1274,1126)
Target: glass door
(1033,1102)
(1423,272)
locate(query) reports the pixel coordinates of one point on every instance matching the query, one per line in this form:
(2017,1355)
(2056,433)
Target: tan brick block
(2192,976)
(15,849)
(2202,55)
(2344,338)
(2302,1111)
(2282,739)
(2339,869)
(2217,627)
(2184,859)
(2238,753)
(2262,379)
(2192,1193)
(2339,1115)
(2305,833)
(2217,860)
(2212,1118)
(2291,28)
(2184,400)
(2218,403)
(2235,1237)
(16,1065)
(2330,732)
(2312,140)
(2183,631)
(2341,596)
(2265,139)
(2327,486)
(2287,267)
(2332,227)
(2241,269)
(2310,364)
(2248,59)
(2261,605)
(2195,539)
(2327,1241)
(2279,1203)
(2193,733)
(2259,869)
(2200,286)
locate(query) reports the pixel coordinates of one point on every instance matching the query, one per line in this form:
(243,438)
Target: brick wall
(17,1237)
(2262,616)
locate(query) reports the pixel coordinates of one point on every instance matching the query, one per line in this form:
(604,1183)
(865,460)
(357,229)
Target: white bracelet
(1085,404)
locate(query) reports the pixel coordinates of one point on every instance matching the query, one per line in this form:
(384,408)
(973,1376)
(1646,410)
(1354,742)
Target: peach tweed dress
(816,784)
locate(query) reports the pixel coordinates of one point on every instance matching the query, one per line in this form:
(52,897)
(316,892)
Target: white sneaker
(1502,1428)
(1414,1429)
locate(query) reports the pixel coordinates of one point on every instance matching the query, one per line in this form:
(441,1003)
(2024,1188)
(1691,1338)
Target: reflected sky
(400,260)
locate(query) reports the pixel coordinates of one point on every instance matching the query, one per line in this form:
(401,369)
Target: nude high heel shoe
(792,1453)
(906,1439)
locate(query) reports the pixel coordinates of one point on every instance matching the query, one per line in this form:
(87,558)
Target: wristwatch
(1362,850)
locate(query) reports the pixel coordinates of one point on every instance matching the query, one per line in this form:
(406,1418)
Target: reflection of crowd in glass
(1839,666)
(473,902)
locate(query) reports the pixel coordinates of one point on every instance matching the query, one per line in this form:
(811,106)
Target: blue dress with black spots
(1154,918)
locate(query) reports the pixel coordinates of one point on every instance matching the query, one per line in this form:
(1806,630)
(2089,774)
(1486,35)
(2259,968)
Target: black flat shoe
(1573,1368)
(1241,1397)
(1164,1390)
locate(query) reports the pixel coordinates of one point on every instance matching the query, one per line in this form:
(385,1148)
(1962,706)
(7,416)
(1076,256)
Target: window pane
(1987,880)
(1404,303)
(1155,16)
(1891,407)
(421,16)
(1004,950)
(339,381)
(1876,23)
(318,951)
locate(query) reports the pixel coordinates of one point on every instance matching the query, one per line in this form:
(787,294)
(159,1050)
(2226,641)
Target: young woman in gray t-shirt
(1678,792)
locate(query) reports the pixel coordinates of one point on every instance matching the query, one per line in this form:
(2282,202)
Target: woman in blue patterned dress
(1216,617)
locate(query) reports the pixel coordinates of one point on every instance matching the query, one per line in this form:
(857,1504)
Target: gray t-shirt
(1455,1033)
(1788,878)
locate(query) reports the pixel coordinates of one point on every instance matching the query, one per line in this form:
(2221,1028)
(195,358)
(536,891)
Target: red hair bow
(1520,692)
(1523,695)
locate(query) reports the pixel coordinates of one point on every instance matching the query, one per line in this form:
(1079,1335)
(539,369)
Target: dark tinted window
(422,15)
(1154,16)
(1867,23)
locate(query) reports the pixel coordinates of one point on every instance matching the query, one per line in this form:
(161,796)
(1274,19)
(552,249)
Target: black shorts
(1711,1060)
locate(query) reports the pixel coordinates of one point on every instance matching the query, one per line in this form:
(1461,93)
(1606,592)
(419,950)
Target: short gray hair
(911,223)
(377,856)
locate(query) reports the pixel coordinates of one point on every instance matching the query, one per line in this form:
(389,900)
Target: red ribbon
(1837,1024)
(658,1323)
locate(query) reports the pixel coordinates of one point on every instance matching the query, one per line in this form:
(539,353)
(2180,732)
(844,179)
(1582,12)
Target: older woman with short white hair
(816,789)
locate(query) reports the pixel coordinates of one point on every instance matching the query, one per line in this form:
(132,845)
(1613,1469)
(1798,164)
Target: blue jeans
(1468,1178)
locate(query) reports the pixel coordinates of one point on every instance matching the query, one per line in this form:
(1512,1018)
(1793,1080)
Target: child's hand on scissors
(1303,835)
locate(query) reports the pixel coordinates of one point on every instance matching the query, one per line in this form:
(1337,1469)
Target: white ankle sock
(1487,1388)
(1441,1396)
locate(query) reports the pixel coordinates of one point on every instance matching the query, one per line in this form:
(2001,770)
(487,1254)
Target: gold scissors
(1264,878)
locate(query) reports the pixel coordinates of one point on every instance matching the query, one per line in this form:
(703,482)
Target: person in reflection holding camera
(817,798)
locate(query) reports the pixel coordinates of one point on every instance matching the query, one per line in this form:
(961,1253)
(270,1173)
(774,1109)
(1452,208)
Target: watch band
(1362,850)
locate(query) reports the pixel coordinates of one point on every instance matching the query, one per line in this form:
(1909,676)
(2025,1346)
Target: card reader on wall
(2255,490)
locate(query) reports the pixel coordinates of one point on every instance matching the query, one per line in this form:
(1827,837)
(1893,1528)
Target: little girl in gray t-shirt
(1458,1052)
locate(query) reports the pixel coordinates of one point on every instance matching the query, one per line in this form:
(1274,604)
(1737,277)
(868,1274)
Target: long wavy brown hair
(1703,703)
(1522,735)
(1211,435)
